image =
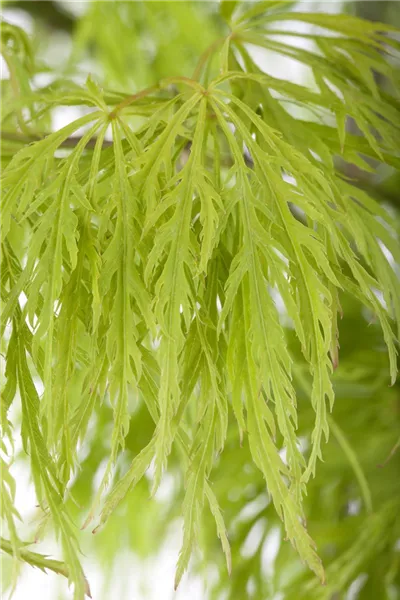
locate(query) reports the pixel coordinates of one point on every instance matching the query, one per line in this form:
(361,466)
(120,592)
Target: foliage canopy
(187,252)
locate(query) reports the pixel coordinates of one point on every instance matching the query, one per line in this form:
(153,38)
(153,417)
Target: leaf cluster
(148,245)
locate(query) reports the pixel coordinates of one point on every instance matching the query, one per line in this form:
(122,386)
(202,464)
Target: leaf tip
(87,589)
(87,521)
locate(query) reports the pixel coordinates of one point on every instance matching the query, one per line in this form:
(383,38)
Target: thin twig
(205,56)
(154,88)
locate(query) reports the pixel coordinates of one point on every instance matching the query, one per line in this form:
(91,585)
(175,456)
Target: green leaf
(174,265)
(227,8)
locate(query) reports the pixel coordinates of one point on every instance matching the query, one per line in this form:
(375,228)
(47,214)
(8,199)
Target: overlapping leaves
(151,271)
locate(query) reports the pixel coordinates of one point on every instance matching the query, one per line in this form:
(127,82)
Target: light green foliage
(147,274)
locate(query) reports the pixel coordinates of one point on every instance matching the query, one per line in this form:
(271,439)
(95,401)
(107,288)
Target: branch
(70,142)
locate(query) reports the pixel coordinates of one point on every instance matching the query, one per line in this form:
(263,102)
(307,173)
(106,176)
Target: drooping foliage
(188,251)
